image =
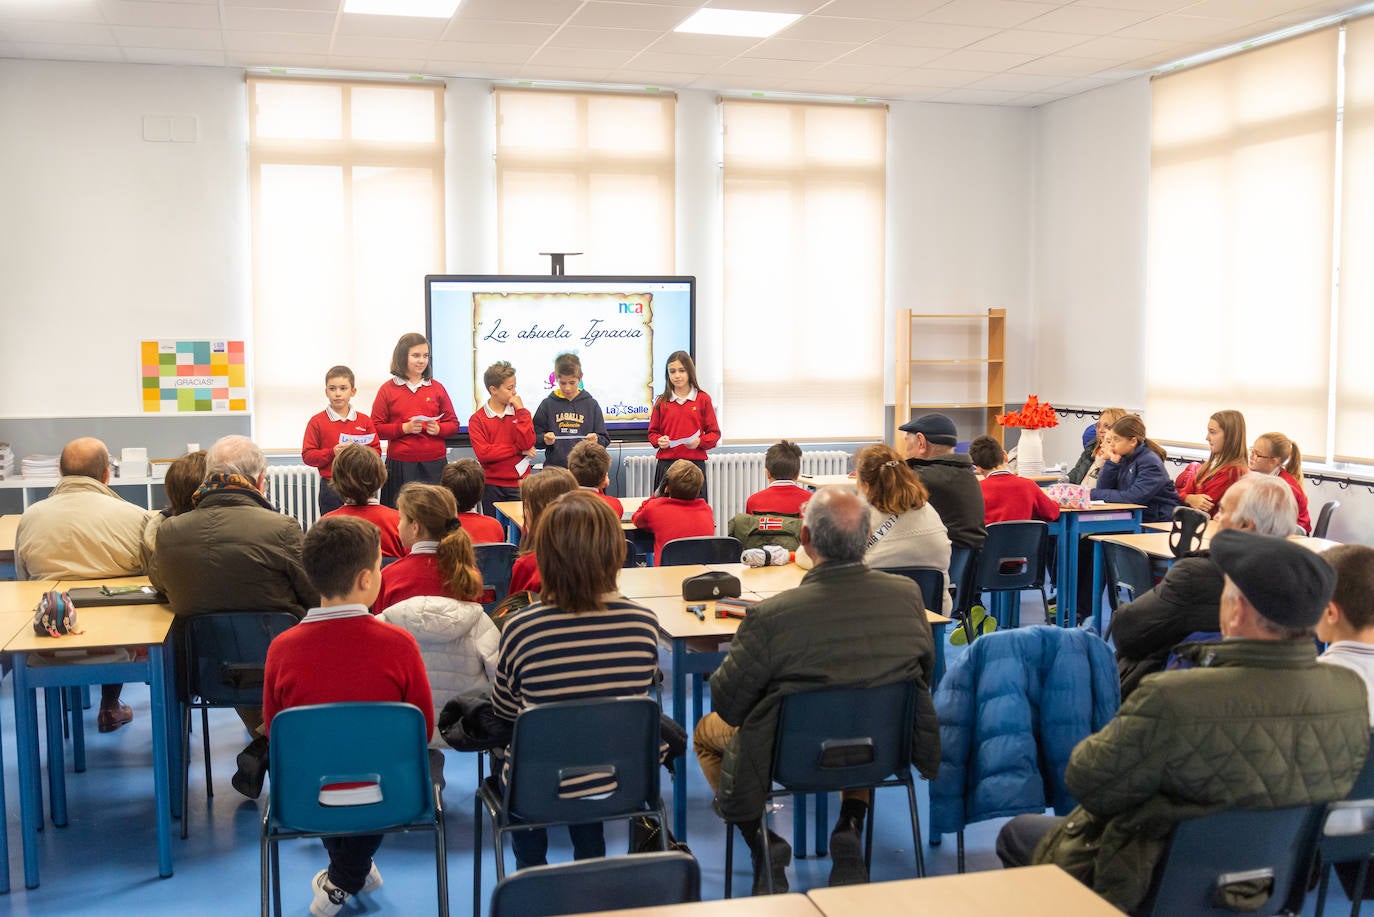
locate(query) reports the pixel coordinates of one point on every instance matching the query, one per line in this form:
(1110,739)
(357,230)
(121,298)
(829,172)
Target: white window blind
(585,172)
(804,212)
(1242,190)
(1354,439)
(347,184)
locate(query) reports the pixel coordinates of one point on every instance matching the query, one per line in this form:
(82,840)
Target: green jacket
(843,625)
(1256,725)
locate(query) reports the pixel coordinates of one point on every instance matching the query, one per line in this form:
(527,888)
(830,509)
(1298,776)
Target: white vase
(1030,453)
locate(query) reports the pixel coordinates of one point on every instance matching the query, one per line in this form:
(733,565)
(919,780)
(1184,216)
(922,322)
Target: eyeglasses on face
(1260,455)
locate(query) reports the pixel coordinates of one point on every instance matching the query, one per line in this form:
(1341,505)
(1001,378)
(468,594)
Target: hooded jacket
(1139,478)
(561,416)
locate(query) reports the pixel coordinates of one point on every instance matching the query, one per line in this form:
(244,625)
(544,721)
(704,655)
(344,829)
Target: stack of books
(39,466)
(6,461)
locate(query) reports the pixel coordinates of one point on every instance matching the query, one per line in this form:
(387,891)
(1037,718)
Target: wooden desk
(1156,543)
(514,510)
(1032,891)
(112,627)
(1072,525)
(764,581)
(793,905)
(649,582)
(824,480)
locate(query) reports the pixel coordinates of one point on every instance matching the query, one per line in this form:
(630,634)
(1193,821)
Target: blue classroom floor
(104,862)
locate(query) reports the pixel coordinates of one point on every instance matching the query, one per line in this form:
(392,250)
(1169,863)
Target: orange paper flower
(1032,416)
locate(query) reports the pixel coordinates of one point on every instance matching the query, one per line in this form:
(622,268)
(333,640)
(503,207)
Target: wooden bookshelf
(951,362)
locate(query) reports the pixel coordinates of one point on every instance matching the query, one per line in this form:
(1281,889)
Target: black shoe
(847,855)
(781,853)
(252,763)
(644,837)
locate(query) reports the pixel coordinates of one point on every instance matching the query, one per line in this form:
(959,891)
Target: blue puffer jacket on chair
(1011,710)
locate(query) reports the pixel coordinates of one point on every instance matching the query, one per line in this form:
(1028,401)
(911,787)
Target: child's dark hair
(683,480)
(539,490)
(429,505)
(783,461)
(496,374)
(358,473)
(400,362)
(343,372)
(337,549)
(685,358)
(986,452)
(182,480)
(589,462)
(580,548)
(567,364)
(465,480)
(1354,595)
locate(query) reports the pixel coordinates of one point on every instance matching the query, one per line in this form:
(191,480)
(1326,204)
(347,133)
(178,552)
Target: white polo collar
(338,418)
(335,613)
(691,396)
(508,412)
(413,386)
(425,547)
(788,483)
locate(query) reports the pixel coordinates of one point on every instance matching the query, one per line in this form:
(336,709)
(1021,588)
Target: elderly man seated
(235,552)
(84,530)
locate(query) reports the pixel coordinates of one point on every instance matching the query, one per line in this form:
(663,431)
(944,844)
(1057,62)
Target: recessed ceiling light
(742,23)
(428,9)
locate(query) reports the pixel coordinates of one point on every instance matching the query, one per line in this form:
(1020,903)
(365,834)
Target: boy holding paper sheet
(569,415)
(336,426)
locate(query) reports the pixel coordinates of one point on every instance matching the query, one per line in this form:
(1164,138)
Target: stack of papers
(39,466)
(6,461)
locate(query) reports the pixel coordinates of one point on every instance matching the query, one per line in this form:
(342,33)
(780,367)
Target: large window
(585,172)
(347,183)
(804,205)
(1354,399)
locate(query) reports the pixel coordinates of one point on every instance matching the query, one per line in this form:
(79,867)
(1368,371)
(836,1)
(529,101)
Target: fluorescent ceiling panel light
(427,9)
(740,23)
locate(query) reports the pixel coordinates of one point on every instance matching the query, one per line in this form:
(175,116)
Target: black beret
(937,428)
(1287,583)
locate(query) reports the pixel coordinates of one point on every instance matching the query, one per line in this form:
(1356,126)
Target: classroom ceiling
(985,52)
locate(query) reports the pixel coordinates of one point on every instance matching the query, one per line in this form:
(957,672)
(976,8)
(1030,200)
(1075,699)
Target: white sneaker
(329,898)
(372,882)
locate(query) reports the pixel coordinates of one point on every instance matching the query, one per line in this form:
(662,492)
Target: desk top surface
(515,510)
(793,905)
(1033,891)
(1101,508)
(824,480)
(103,628)
(1156,543)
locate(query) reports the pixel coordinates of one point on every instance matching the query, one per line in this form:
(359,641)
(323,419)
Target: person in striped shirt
(583,640)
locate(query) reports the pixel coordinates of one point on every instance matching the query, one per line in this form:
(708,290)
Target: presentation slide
(622,328)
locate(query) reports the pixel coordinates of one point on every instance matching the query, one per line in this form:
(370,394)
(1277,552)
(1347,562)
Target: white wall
(106,239)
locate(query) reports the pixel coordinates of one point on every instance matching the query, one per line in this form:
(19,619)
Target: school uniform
(1216,484)
(524,574)
(415,574)
(1009,498)
(322,433)
(670,518)
(1300,496)
(412,456)
(616,506)
(482,529)
(384,518)
(782,498)
(679,418)
(500,441)
(568,418)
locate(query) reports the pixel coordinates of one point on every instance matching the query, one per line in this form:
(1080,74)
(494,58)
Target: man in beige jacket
(84,530)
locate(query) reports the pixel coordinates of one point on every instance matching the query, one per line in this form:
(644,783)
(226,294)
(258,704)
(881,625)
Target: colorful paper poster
(186,377)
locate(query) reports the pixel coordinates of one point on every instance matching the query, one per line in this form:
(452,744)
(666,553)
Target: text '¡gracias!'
(595,332)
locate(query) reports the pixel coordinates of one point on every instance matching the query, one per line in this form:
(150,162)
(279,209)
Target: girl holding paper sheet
(413,414)
(338,425)
(682,424)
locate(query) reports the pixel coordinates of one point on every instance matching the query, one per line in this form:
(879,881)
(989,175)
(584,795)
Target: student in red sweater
(590,464)
(1201,486)
(502,435)
(429,517)
(783,496)
(358,475)
(465,480)
(333,428)
(413,414)
(682,423)
(1007,497)
(537,492)
(679,514)
(1274,453)
(338,653)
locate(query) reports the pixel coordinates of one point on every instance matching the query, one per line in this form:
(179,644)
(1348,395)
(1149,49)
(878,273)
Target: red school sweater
(1186,483)
(616,506)
(396,404)
(785,498)
(482,529)
(524,574)
(384,518)
(1009,498)
(669,518)
(500,442)
(415,574)
(344,654)
(675,421)
(322,435)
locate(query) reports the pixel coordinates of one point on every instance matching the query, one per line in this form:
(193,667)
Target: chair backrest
(224,652)
(1237,849)
(553,746)
(839,738)
(603,884)
(381,746)
(1013,556)
(703,549)
(494,562)
(632,555)
(1324,518)
(931,581)
(963,567)
(1128,573)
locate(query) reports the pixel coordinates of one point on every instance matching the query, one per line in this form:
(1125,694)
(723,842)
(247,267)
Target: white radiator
(730,477)
(295,490)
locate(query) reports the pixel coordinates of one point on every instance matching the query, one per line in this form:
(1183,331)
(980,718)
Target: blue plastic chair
(606,884)
(315,746)
(1209,853)
(1349,848)
(1128,575)
(554,742)
(1012,560)
(703,549)
(494,562)
(222,660)
(843,738)
(931,581)
(1324,518)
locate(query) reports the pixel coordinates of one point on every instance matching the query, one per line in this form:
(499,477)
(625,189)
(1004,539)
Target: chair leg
(1357,899)
(961,851)
(822,817)
(1321,889)
(441,853)
(205,738)
(78,733)
(916,830)
(729,858)
(477,858)
(276,880)
(186,772)
(264,868)
(868,830)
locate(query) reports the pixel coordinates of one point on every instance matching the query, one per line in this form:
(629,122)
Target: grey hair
(1273,628)
(236,455)
(838,520)
(1266,501)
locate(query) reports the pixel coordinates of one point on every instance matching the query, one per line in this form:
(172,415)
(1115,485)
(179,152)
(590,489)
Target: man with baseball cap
(1256,724)
(948,476)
